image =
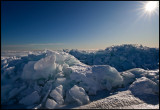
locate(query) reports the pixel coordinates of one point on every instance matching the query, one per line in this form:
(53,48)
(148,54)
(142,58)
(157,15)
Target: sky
(38,25)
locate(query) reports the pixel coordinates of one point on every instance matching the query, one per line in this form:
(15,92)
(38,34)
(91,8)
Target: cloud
(26,45)
(48,44)
(14,45)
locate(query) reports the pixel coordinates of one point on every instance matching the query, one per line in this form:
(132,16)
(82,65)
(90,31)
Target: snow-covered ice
(128,77)
(120,100)
(77,95)
(122,57)
(143,85)
(50,104)
(107,76)
(56,78)
(57,94)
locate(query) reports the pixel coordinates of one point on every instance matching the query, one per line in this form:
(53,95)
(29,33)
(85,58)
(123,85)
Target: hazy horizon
(69,48)
(56,25)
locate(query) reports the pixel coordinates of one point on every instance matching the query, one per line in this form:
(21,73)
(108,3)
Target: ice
(9,71)
(28,70)
(49,66)
(121,100)
(62,79)
(15,91)
(46,87)
(50,104)
(122,57)
(128,77)
(150,74)
(57,94)
(83,76)
(7,74)
(25,92)
(138,72)
(90,78)
(143,86)
(90,85)
(78,95)
(41,82)
(59,75)
(40,69)
(30,99)
(107,76)
(37,88)
(46,65)
(5,89)
(45,96)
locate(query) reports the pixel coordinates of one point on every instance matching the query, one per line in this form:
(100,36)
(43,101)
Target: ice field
(125,76)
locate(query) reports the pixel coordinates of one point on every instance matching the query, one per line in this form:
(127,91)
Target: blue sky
(32,25)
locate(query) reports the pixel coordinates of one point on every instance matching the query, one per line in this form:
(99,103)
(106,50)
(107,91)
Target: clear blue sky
(29,25)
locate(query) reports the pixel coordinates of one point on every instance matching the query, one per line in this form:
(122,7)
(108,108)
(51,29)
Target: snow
(150,74)
(111,77)
(56,78)
(90,78)
(121,100)
(144,85)
(128,77)
(138,72)
(78,95)
(30,99)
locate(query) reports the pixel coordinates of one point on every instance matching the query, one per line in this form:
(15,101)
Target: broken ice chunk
(59,75)
(60,81)
(37,88)
(143,86)
(57,94)
(30,99)
(128,77)
(111,77)
(78,95)
(15,91)
(50,104)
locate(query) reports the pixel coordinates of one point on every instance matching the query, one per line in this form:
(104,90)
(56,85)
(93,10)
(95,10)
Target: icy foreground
(122,100)
(52,79)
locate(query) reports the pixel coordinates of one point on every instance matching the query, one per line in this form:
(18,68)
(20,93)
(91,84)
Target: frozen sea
(119,77)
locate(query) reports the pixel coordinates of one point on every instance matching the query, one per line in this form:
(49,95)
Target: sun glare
(151,6)
(147,9)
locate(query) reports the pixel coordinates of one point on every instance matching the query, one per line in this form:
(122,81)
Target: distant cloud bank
(25,45)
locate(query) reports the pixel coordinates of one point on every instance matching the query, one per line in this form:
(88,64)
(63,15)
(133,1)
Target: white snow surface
(120,100)
(62,79)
